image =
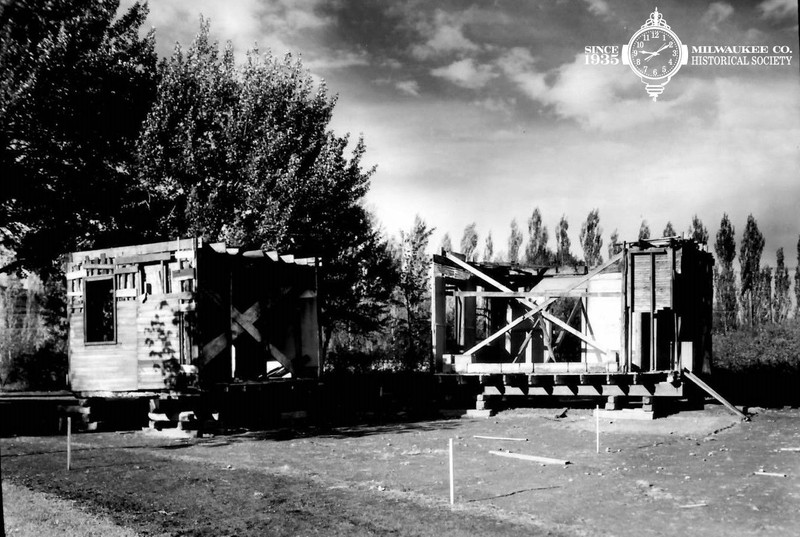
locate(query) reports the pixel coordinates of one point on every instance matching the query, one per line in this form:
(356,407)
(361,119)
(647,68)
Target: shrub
(758,366)
(771,348)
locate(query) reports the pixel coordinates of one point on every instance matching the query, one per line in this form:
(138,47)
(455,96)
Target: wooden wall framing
(647,310)
(178,307)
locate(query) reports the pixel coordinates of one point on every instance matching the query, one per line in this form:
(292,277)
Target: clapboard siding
(104,367)
(158,337)
(643,266)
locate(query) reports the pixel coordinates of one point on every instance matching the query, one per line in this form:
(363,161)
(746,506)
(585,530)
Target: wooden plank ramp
(708,389)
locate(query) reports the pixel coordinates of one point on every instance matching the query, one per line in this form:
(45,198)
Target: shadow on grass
(284,434)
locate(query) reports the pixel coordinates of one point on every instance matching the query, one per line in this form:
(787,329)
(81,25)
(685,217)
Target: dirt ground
(691,472)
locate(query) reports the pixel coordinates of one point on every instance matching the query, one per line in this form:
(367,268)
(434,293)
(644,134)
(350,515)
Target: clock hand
(662,48)
(656,53)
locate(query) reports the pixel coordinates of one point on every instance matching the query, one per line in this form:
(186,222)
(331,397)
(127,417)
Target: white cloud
(518,65)
(497,105)
(716,13)
(466,73)
(337,60)
(598,7)
(604,98)
(410,87)
(778,10)
(445,34)
(275,24)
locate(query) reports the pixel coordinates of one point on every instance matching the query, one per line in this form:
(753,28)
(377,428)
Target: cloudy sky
(481,111)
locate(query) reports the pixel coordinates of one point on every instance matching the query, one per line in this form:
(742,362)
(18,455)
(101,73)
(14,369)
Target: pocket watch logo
(655,54)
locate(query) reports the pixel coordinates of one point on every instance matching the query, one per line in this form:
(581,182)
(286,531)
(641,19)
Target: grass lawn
(36,514)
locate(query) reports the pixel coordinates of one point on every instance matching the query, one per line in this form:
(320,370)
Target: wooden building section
(641,317)
(141,316)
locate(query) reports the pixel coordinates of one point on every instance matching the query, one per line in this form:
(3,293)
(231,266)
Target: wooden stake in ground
(452,486)
(771,474)
(69,443)
(500,438)
(532,458)
(597,426)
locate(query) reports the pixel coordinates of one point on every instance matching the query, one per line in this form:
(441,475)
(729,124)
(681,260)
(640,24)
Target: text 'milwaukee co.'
(713,55)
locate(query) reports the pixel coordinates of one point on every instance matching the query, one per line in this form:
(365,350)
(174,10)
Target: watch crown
(656,19)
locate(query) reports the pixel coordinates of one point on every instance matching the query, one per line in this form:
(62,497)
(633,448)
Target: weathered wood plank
(181,295)
(183,274)
(144,258)
(126,293)
(76,274)
(138,249)
(536,294)
(532,458)
(98,266)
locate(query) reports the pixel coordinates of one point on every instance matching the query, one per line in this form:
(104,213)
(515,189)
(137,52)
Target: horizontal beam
(537,294)
(534,308)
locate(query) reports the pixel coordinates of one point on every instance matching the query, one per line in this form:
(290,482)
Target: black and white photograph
(397,267)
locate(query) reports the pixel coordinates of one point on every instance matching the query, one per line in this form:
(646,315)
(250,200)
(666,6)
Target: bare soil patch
(692,471)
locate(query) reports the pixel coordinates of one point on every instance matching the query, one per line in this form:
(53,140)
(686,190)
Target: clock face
(654,53)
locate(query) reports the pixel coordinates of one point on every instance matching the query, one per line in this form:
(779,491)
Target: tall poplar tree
(591,239)
(488,248)
(698,231)
(614,246)
(752,246)
(644,231)
(469,241)
(447,243)
(669,231)
(514,242)
(563,254)
(797,283)
(782,301)
(726,308)
(537,251)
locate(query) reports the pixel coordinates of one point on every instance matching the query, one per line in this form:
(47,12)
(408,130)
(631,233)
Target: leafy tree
(591,239)
(644,231)
(725,279)
(447,244)
(782,300)
(698,231)
(515,241)
(725,245)
(488,248)
(469,241)
(614,246)
(245,154)
(32,333)
(669,231)
(563,255)
(537,252)
(76,81)
(763,298)
(750,262)
(413,331)
(797,282)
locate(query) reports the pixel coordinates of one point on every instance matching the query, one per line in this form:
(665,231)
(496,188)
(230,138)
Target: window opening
(100,325)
